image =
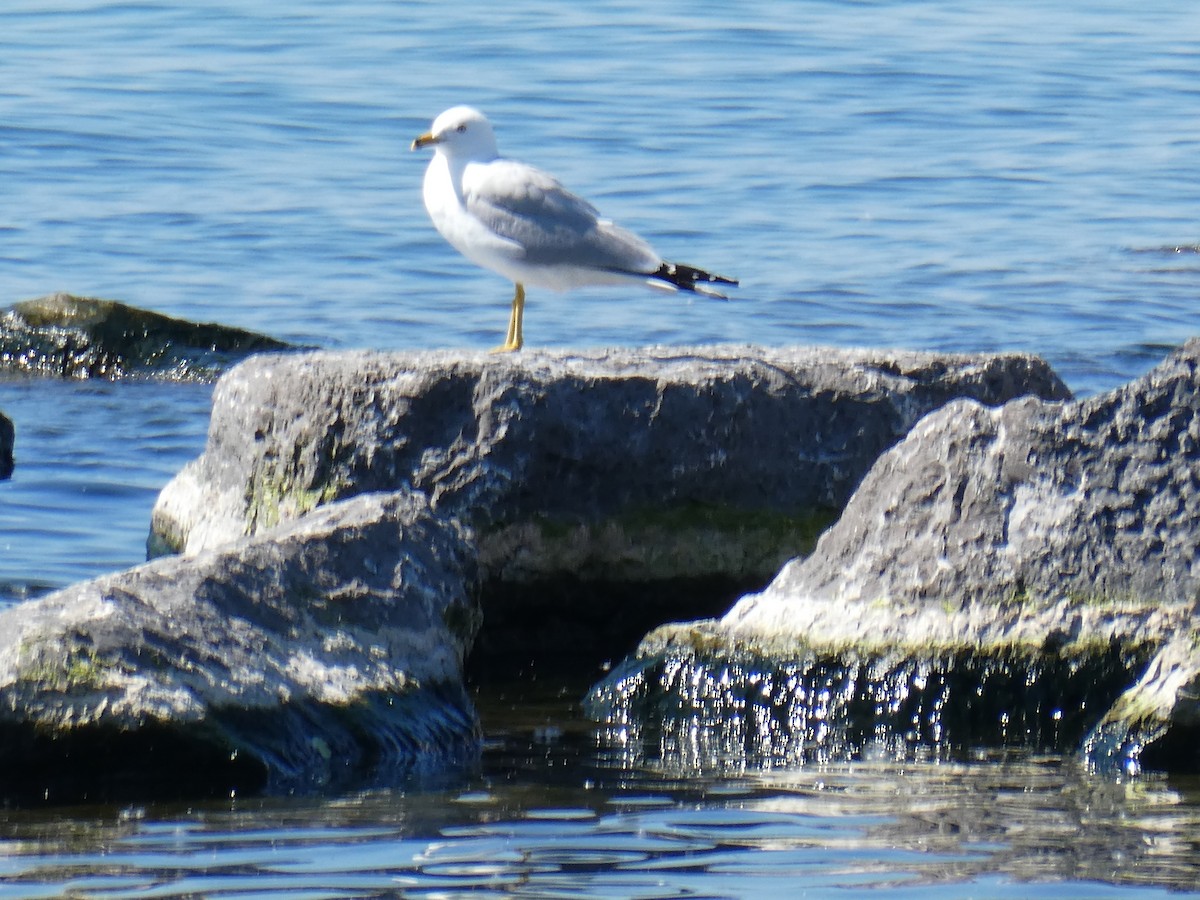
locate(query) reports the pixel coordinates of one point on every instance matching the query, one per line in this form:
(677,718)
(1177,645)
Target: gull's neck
(456,164)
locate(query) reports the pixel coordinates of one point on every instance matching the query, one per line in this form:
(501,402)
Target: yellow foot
(514,339)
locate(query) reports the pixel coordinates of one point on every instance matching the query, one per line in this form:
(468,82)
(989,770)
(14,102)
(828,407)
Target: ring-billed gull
(521,223)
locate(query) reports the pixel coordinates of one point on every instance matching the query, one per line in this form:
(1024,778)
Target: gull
(521,223)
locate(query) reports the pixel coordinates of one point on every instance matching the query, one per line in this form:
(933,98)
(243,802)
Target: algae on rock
(797,702)
(65,336)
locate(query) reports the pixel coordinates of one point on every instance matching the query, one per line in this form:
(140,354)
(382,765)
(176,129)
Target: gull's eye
(461,129)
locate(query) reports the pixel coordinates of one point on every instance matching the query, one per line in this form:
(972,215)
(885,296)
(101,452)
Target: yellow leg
(514,339)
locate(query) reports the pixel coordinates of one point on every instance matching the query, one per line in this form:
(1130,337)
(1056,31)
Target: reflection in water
(561,812)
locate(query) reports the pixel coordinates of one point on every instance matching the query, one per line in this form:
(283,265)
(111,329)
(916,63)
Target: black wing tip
(687,277)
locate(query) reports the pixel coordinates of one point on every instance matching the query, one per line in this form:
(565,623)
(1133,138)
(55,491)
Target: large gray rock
(7,434)
(629,465)
(64,336)
(1027,504)
(326,650)
(1051,547)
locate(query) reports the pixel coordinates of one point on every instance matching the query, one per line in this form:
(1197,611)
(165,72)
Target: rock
(1156,723)
(316,629)
(6,446)
(328,650)
(626,465)
(1017,565)
(607,491)
(81,337)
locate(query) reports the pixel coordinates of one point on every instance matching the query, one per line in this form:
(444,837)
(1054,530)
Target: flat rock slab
(326,651)
(65,336)
(1059,540)
(635,465)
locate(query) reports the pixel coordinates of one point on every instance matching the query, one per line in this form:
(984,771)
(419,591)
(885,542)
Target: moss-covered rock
(65,336)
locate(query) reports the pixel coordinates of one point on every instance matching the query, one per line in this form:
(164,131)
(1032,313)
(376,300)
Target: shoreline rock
(1053,534)
(64,336)
(1156,722)
(326,652)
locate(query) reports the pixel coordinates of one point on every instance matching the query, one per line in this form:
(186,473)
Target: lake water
(552,813)
(937,175)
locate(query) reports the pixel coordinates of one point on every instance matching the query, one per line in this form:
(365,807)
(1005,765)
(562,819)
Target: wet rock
(81,337)
(325,651)
(316,629)
(695,699)
(6,446)
(1053,544)
(1156,723)
(621,466)
(608,491)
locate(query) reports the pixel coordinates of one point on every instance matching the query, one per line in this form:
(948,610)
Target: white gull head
(461,133)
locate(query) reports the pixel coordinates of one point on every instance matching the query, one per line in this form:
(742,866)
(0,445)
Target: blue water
(940,175)
(944,175)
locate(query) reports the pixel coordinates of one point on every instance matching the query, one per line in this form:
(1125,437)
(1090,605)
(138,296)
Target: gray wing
(551,225)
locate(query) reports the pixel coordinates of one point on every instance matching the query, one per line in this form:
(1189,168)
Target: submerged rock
(325,651)
(1060,540)
(6,446)
(81,337)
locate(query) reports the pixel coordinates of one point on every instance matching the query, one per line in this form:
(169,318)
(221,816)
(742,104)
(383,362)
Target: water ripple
(930,830)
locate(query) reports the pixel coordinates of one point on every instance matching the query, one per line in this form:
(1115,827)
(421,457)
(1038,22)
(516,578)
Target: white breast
(443,201)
